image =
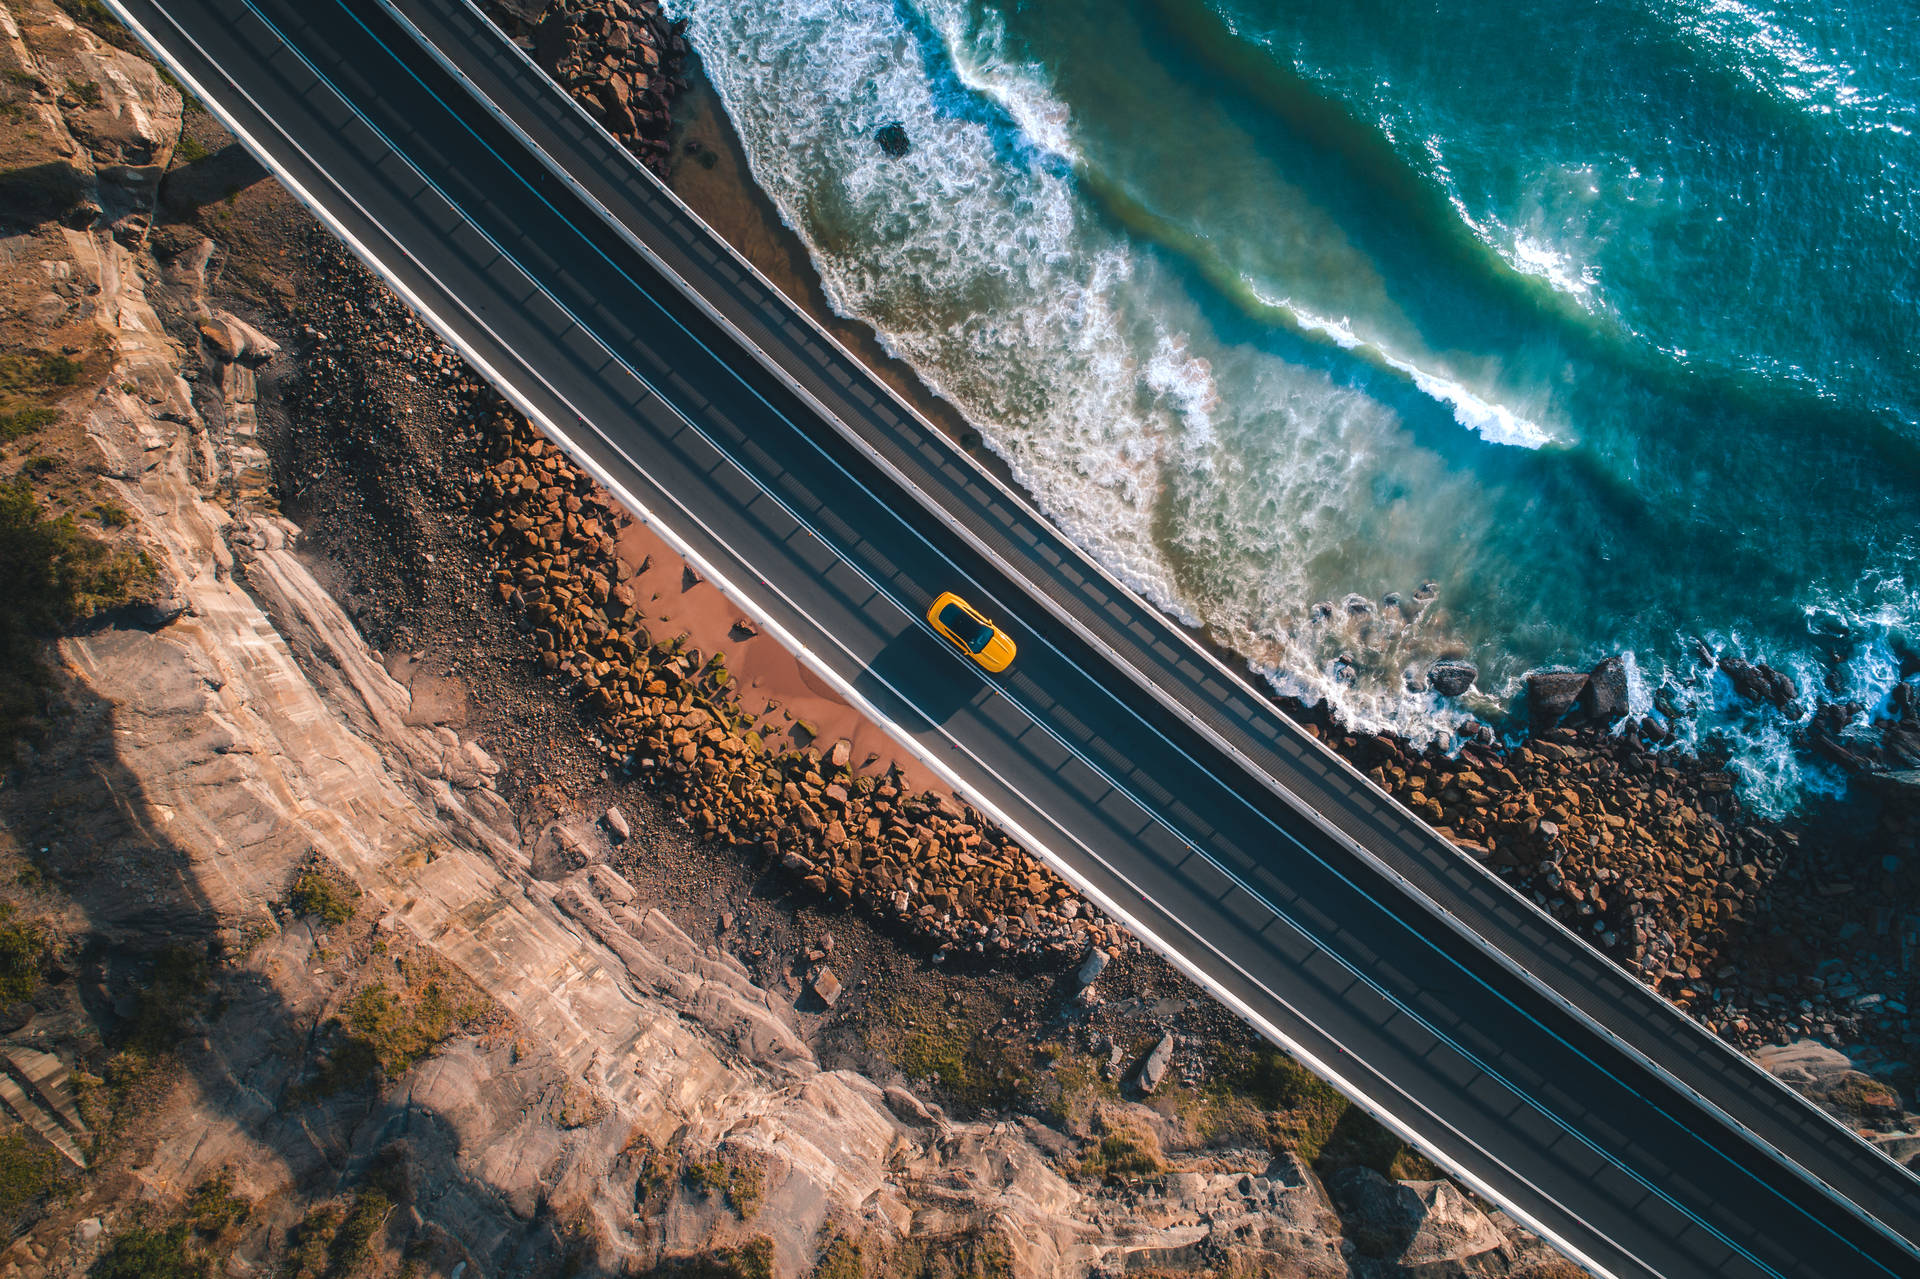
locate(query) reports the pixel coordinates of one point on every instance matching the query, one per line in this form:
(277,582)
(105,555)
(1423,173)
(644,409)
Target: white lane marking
(1151,615)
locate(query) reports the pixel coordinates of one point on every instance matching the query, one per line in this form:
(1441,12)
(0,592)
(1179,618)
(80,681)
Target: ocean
(1361,335)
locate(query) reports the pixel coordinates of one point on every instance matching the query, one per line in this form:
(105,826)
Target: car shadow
(919,679)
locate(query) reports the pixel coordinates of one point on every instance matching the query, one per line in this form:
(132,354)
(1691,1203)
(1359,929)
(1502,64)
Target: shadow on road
(917,665)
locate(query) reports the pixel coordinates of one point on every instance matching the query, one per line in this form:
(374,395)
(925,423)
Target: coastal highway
(1164,786)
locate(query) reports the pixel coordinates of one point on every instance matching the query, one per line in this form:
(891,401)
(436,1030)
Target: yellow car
(971,633)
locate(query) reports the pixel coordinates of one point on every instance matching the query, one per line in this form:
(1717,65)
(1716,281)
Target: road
(1166,788)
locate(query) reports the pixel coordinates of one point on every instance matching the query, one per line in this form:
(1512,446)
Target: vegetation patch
(955,1050)
(1298,1110)
(214,1209)
(310,1243)
(184,1246)
(97,18)
(382,1030)
(1126,1153)
(145,1251)
(29,1172)
(133,1077)
(733,1175)
(16,423)
(52,575)
(23,949)
(841,1256)
(751,1260)
(317,895)
(973,1255)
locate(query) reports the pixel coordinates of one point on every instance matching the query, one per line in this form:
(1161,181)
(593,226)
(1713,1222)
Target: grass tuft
(317,896)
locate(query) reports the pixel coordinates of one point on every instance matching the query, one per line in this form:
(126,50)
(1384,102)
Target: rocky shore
(1765,931)
(621,60)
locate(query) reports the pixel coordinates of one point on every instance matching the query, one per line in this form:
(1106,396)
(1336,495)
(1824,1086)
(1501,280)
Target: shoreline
(1815,858)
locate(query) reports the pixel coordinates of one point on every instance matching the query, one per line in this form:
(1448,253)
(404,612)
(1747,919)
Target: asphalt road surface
(1168,789)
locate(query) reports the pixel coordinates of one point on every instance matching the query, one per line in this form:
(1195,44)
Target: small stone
(617,823)
(826,986)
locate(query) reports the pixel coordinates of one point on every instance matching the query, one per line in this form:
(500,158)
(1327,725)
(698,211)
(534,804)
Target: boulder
(826,985)
(1607,690)
(1412,1223)
(892,140)
(1093,966)
(1450,677)
(1758,682)
(1154,1068)
(617,824)
(1551,694)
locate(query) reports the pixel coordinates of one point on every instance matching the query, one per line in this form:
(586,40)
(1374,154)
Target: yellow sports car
(971,633)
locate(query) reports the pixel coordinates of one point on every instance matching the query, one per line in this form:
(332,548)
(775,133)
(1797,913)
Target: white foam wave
(1215,480)
(1021,90)
(1529,254)
(1493,422)
(977,272)
(1186,380)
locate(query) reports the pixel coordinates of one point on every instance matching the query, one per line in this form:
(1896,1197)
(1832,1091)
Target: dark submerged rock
(893,140)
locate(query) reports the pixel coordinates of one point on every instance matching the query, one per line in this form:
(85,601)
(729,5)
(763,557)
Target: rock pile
(671,712)
(620,60)
(1650,857)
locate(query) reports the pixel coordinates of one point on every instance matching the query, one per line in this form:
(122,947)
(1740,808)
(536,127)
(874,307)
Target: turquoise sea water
(1601,316)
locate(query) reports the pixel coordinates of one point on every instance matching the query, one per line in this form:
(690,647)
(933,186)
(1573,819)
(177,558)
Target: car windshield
(974,634)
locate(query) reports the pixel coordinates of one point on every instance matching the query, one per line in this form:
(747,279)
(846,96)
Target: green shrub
(97,18)
(52,574)
(1125,1154)
(353,1241)
(734,1177)
(29,1170)
(22,948)
(172,995)
(317,896)
(190,150)
(842,1258)
(310,1243)
(15,423)
(38,372)
(143,1251)
(213,1207)
(386,1031)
